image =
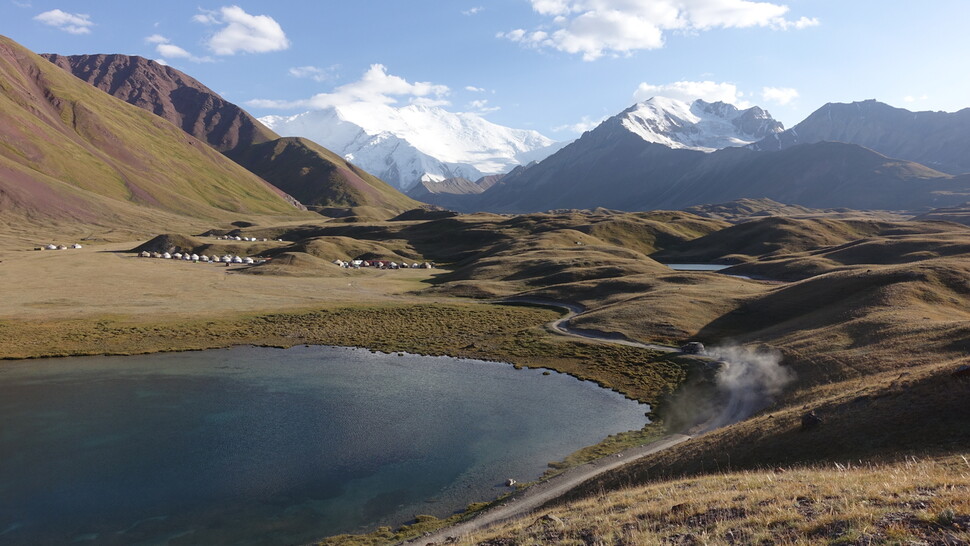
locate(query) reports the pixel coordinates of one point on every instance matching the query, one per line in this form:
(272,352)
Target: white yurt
(61,247)
(167,256)
(227,258)
(177,255)
(144,254)
(76,245)
(237,260)
(195,257)
(51,247)
(248,260)
(156,254)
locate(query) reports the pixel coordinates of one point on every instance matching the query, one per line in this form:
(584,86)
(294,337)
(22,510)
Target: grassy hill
(73,154)
(319,178)
(309,172)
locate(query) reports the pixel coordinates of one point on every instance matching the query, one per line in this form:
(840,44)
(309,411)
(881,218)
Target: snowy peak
(416,143)
(701,125)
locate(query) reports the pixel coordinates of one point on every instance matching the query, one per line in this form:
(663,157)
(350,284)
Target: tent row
(52,246)
(381,264)
(238,238)
(229,259)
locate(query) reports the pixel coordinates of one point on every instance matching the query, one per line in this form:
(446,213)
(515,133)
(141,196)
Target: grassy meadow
(868,316)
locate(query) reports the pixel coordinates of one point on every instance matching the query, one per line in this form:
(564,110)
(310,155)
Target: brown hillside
(74,154)
(311,173)
(171,94)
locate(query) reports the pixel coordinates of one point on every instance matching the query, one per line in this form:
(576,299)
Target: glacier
(406,145)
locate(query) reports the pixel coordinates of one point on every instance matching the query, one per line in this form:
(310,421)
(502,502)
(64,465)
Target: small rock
(510,482)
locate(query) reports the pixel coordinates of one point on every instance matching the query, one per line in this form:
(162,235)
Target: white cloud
(689,91)
(780,95)
(473,11)
(315,73)
(595,28)
(482,108)
(162,62)
(165,48)
(21,4)
(911,98)
(585,124)
(474,89)
(242,32)
(375,86)
(74,23)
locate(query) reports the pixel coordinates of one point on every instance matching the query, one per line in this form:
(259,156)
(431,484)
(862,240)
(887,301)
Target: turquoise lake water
(274,446)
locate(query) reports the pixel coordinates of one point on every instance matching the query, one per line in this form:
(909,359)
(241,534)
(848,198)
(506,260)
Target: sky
(556,66)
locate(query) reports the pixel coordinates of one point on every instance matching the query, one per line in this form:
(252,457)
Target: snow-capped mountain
(701,125)
(403,146)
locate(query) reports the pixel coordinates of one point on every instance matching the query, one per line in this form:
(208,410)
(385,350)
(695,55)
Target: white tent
(76,245)
(249,260)
(167,256)
(177,255)
(237,260)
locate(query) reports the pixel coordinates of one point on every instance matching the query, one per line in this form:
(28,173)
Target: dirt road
(528,500)
(572,310)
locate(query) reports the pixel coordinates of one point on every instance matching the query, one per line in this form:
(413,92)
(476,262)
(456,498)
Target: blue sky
(557,66)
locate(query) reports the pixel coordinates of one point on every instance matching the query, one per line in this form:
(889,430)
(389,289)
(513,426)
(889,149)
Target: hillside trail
(573,310)
(530,499)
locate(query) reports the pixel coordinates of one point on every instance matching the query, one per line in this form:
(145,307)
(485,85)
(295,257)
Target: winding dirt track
(531,498)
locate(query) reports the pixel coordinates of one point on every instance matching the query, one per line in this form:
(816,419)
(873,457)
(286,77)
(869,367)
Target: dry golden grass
(910,502)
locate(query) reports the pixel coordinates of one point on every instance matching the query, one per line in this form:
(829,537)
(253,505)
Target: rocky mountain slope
(72,153)
(614,168)
(314,175)
(416,143)
(939,140)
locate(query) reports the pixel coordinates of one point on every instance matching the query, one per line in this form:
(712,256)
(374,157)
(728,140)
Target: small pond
(697,267)
(274,446)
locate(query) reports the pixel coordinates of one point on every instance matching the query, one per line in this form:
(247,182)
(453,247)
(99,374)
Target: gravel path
(531,498)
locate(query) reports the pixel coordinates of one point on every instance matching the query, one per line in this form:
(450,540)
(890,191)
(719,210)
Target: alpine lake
(254,445)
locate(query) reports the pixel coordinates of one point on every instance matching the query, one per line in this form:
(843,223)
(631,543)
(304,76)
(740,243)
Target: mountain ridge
(940,140)
(408,144)
(699,125)
(73,153)
(317,178)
